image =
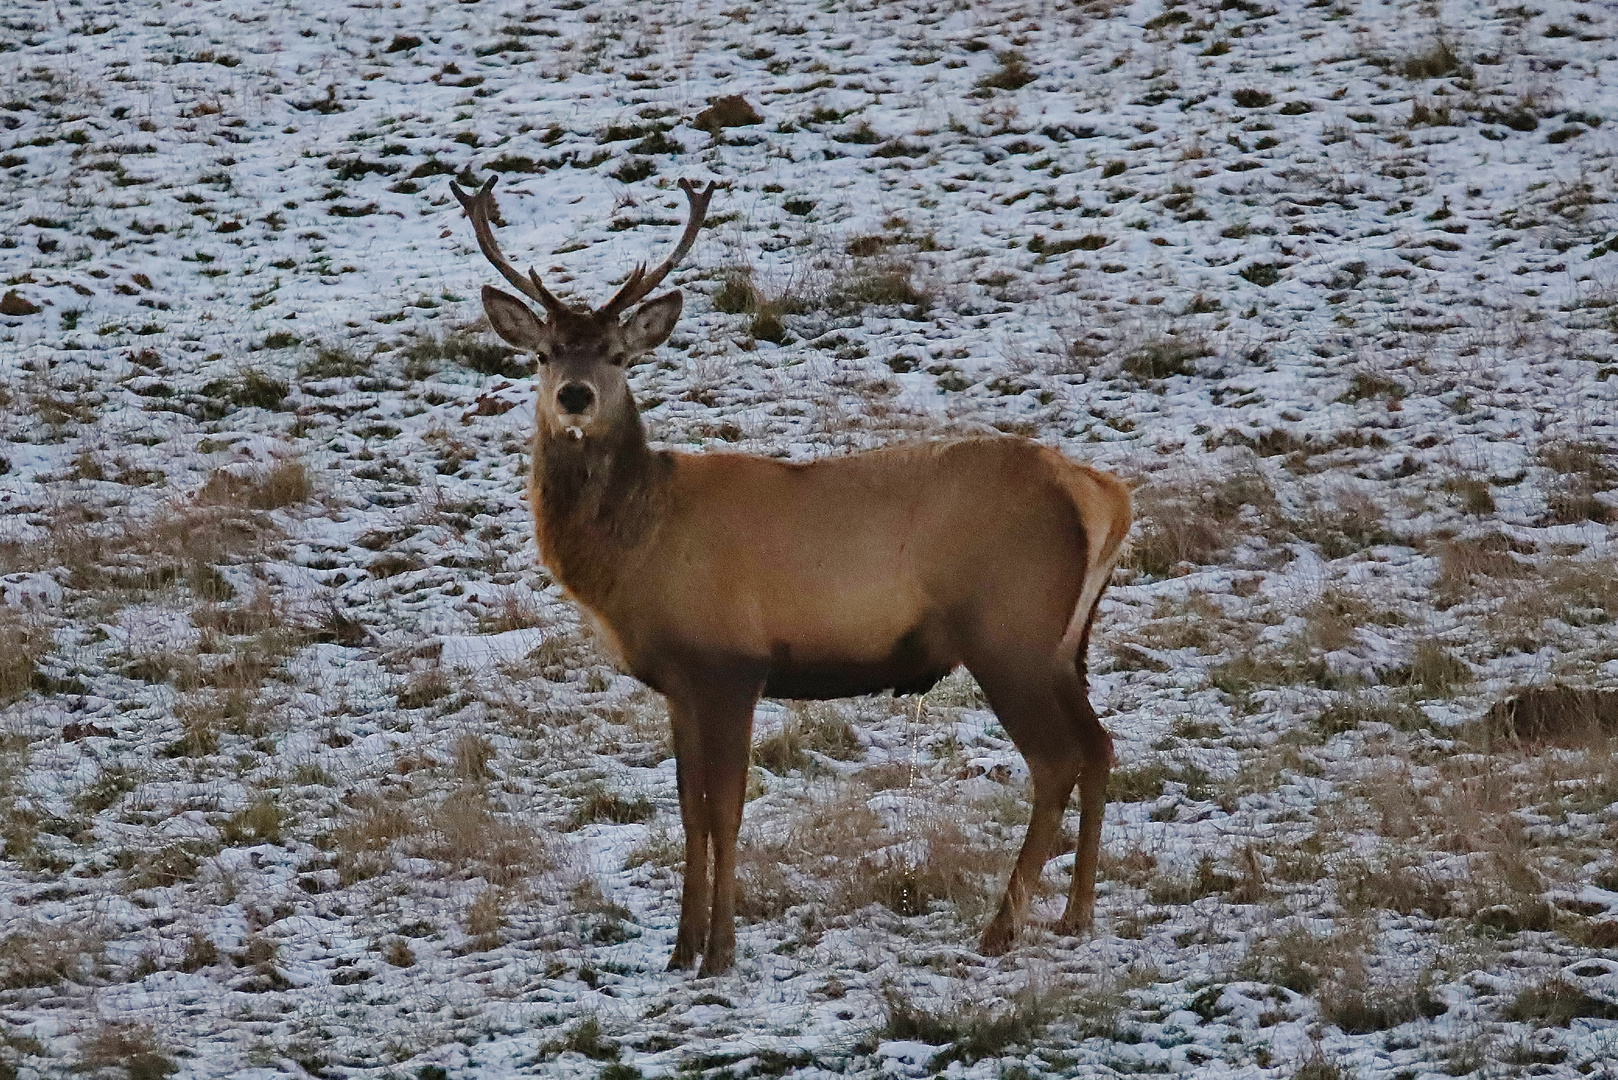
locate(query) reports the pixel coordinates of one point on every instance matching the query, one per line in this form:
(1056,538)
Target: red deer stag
(718,578)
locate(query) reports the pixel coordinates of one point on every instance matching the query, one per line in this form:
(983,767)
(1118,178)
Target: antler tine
(477,208)
(640,282)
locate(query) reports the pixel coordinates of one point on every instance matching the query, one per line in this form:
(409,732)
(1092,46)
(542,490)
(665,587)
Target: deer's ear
(512,319)
(652,323)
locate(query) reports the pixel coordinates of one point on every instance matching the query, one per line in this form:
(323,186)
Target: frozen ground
(306,768)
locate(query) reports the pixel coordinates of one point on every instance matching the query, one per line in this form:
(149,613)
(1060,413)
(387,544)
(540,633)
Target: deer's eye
(541,356)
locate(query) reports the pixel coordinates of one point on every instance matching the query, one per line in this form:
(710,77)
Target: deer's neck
(595,500)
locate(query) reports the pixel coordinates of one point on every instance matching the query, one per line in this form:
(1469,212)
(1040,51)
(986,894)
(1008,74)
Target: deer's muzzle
(575,398)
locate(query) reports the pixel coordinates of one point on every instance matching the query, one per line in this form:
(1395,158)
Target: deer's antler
(640,282)
(477,208)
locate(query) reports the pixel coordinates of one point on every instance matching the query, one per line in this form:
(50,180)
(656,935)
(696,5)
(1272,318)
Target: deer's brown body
(721,578)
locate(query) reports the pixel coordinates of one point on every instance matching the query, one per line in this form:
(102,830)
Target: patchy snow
(307,768)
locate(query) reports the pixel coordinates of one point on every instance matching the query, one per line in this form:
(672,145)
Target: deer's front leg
(692,937)
(713,733)
(727,790)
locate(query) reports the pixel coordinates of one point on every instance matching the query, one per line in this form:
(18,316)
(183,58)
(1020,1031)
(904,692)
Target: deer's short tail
(1103,503)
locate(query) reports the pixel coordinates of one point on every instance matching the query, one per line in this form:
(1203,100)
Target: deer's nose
(575,397)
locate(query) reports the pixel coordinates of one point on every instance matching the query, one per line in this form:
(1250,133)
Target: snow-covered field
(307,768)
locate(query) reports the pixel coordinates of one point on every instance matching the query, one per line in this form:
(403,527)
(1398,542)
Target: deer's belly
(909,667)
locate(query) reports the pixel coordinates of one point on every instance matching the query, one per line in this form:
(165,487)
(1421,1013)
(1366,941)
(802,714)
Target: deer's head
(583,355)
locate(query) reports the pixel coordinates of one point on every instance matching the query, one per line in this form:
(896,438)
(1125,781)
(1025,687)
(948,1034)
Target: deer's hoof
(1077,926)
(681,959)
(997,939)
(713,964)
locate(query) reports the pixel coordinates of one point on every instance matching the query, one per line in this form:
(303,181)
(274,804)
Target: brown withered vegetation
(285,483)
(838,855)
(464,834)
(1196,519)
(38,954)
(22,643)
(1567,715)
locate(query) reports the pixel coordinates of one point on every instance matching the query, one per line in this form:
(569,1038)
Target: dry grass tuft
(1247,885)
(811,728)
(285,483)
(1582,473)
(259,823)
(1300,961)
(473,756)
(469,837)
(484,918)
(166,866)
(968,1032)
(424,689)
(1351,710)
(22,643)
(1360,1003)
(1194,520)
(1563,715)
(365,841)
(740,294)
(1391,881)
(133,1047)
(881,282)
(1469,567)
(34,954)
(518,610)
(598,804)
(1345,521)
(1196,623)
(1577,592)
(1333,616)
(1433,671)
(464,833)
(1557,1003)
(840,855)
(180,545)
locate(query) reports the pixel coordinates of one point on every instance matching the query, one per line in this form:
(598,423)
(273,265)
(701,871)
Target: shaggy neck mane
(595,500)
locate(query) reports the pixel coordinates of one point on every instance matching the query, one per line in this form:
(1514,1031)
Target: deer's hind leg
(1096,747)
(1024,697)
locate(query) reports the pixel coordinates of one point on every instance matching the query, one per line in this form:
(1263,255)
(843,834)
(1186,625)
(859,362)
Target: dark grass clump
(1557,1003)
(1433,671)
(882,284)
(967,1033)
(1354,710)
(1011,74)
(1166,357)
(1583,471)
(738,295)
(1359,1008)
(1435,62)
(251,388)
(807,732)
(599,804)
(422,357)
(333,362)
(587,1038)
